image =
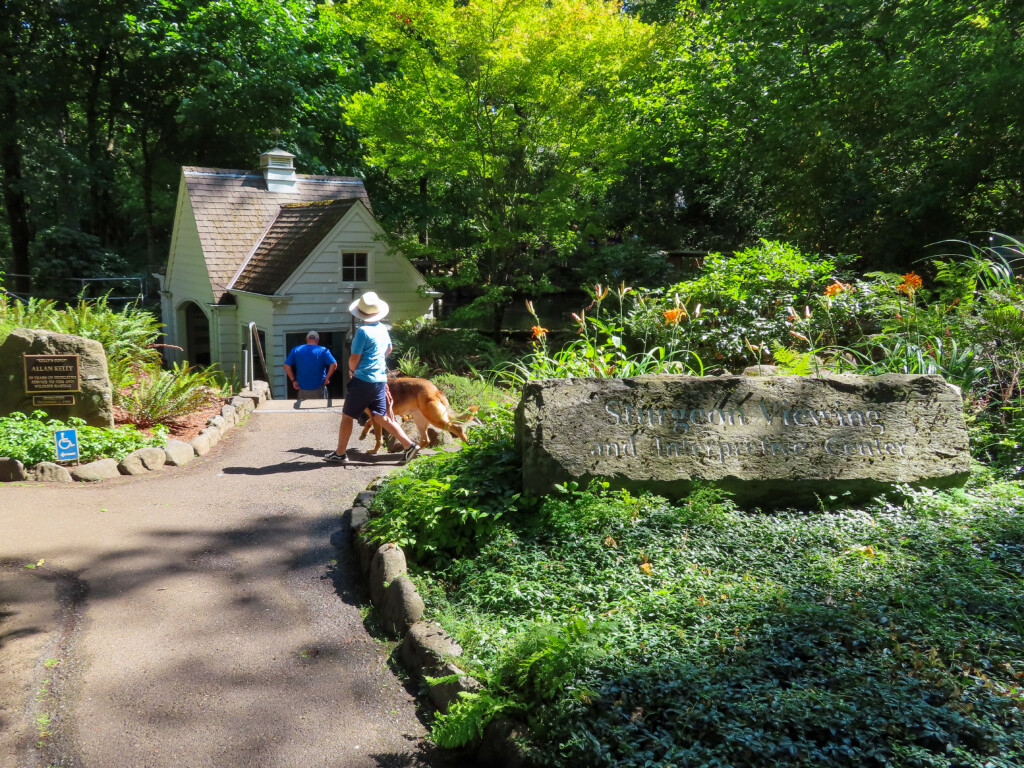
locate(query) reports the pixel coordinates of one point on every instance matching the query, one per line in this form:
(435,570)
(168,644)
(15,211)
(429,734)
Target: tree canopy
(510,118)
(503,141)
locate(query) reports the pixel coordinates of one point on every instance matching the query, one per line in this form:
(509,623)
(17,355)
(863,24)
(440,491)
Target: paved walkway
(198,616)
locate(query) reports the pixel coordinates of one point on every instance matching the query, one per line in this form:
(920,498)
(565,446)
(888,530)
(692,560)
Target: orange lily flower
(911,282)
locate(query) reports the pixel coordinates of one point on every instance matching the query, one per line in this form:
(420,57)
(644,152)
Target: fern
(466,719)
(161,397)
(547,660)
(794,362)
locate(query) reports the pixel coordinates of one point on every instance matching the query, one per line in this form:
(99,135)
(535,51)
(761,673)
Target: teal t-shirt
(371,341)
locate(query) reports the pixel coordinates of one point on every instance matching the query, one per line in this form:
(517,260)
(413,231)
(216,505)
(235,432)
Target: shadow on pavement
(237,677)
(310,459)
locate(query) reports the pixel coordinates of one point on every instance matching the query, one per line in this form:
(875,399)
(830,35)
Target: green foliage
(794,362)
(466,719)
(446,504)
(743,305)
(60,253)
(735,638)
(866,128)
(156,396)
(464,393)
(29,439)
(508,121)
(128,335)
(600,351)
(144,394)
(410,365)
(633,262)
(451,350)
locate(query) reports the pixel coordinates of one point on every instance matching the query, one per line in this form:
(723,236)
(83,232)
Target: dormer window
(355,267)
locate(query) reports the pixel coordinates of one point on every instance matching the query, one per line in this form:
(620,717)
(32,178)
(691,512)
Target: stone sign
(55,365)
(46,374)
(771,441)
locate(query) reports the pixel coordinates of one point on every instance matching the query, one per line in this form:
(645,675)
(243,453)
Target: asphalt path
(205,615)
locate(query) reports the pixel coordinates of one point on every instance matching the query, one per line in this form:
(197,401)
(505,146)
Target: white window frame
(367,268)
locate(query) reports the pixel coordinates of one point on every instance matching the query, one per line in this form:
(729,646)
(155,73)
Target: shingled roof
(286,244)
(233,209)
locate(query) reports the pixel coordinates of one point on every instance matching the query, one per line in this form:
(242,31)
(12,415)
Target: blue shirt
(371,342)
(310,363)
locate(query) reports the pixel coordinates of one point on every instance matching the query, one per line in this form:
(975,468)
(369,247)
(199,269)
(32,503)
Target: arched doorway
(197,334)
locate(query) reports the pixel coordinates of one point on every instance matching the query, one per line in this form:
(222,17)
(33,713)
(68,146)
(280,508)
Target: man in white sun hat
(368,386)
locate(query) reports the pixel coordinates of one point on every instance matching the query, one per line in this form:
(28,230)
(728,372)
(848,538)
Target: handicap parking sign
(67,444)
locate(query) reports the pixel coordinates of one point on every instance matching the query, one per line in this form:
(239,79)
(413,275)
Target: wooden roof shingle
(296,231)
(233,210)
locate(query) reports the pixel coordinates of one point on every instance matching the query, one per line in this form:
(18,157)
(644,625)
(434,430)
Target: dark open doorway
(334,341)
(197,335)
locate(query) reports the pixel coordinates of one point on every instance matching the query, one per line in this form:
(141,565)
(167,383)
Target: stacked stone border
(175,453)
(426,649)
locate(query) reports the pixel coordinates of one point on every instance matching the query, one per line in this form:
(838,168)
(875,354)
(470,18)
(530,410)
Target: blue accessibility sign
(67,444)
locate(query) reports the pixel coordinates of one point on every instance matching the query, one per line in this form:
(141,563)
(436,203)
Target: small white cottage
(279,254)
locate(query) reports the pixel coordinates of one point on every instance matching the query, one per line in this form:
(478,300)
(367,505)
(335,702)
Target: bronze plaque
(46,374)
(53,399)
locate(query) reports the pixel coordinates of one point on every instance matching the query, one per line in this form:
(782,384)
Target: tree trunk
(15,200)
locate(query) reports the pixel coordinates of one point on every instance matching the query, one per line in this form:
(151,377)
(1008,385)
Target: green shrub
(128,336)
(712,636)
(601,350)
(464,392)
(161,397)
(432,514)
(451,350)
(30,440)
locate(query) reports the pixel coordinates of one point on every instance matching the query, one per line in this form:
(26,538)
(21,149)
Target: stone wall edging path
(427,650)
(174,453)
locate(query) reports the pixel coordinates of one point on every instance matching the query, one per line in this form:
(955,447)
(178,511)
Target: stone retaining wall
(427,650)
(175,453)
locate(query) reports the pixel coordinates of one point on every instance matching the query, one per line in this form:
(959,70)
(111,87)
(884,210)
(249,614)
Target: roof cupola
(278,170)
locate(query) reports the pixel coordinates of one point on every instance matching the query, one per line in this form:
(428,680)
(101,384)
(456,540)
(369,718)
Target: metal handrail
(254,340)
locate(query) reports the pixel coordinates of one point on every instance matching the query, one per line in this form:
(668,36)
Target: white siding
(321,299)
(259,310)
(187,277)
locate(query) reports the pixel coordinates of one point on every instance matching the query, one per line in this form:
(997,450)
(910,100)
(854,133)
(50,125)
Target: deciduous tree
(505,119)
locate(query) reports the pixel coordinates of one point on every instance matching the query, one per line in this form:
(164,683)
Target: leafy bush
(601,351)
(451,350)
(60,254)
(128,336)
(698,634)
(143,393)
(464,392)
(446,504)
(741,304)
(29,439)
(161,397)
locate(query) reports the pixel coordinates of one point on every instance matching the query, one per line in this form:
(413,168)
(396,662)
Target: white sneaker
(410,453)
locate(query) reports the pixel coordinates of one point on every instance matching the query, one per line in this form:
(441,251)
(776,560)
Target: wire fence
(116,289)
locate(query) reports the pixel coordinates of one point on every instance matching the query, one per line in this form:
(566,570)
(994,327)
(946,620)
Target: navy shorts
(361,395)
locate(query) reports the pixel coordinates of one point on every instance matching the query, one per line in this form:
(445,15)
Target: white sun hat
(369,307)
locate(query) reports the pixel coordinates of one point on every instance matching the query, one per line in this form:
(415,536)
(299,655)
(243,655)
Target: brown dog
(428,407)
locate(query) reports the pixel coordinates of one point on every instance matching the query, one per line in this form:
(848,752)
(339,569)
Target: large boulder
(771,441)
(93,403)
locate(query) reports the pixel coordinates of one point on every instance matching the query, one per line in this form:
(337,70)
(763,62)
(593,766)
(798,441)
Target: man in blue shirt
(309,367)
(368,386)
